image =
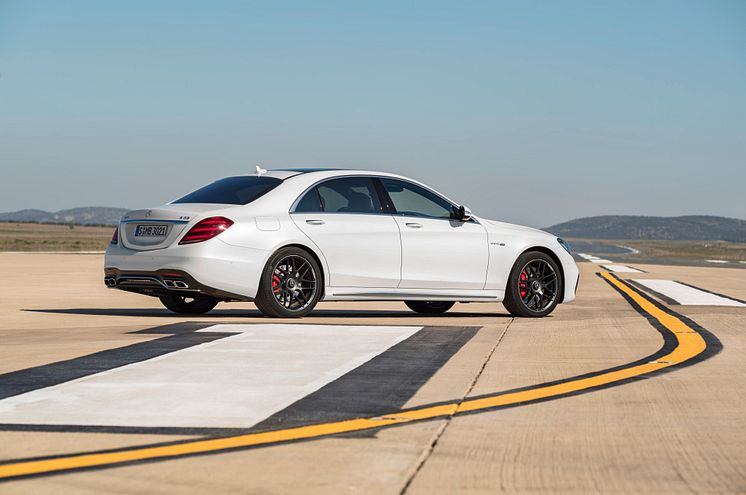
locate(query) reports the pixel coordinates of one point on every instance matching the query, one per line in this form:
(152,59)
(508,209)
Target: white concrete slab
(621,269)
(236,381)
(688,296)
(600,260)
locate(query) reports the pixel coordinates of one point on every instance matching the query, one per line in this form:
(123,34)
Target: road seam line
(447,420)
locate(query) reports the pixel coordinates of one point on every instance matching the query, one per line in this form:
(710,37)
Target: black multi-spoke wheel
(429,307)
(290,285)
(535,285)
(293,282)
(189,305)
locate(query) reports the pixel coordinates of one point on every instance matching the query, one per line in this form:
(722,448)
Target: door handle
(413,225)
(315,222)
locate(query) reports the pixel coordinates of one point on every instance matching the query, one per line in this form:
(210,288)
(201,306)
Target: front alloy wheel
(290,285)
(535,286)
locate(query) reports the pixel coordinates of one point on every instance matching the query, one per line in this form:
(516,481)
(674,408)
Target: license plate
(151,230)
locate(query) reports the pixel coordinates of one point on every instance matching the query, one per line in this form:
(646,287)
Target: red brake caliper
(275,284)
(522,284)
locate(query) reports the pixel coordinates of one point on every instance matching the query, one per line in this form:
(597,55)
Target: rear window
(240,190)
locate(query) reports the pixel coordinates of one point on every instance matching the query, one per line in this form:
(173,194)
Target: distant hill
(654,228)
(89,215)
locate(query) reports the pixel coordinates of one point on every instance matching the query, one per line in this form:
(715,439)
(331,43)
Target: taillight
(206,229)
(115,237)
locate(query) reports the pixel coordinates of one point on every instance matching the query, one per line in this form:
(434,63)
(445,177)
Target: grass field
(46,237)
(676,251)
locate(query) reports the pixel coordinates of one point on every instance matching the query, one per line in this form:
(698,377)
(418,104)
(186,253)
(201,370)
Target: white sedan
(287,239)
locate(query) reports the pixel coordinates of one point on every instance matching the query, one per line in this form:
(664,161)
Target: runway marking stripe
(687,295)
(689,344)
(249,379)
(621,269)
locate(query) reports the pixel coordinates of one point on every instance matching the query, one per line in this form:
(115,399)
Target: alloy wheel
(537,285)
(294,283)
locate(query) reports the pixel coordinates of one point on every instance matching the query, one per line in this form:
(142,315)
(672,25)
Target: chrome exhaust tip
(175,284)
(110,281)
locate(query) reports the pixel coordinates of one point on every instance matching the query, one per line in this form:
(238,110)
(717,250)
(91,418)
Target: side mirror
(462,213)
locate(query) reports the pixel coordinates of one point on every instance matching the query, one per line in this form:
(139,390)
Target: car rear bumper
(164,282)
(213,267)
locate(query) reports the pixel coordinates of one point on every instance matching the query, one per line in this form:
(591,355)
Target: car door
(438,252)
(344,218)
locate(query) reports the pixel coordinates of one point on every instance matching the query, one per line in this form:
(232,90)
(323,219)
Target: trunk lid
(158,228)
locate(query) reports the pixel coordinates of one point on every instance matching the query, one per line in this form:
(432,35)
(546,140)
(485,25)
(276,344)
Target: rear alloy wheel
(290,285)
(429,307)
(189,305)
(534,287)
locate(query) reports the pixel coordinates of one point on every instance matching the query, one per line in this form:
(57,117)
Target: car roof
(285,173)
(306,177)
(305,170)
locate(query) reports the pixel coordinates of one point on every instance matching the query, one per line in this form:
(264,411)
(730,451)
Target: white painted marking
(586,256)
(722,262)
(236,381)
(621,269)
(688,296)
(600,260)
(630,249)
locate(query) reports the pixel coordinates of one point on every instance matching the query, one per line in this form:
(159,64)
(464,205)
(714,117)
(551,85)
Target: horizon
(531,114)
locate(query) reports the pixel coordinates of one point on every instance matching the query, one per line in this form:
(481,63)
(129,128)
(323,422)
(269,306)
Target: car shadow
(249,313)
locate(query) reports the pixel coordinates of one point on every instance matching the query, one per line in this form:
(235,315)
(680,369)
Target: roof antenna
(260,171)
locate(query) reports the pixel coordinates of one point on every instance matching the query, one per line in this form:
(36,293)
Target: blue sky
(532,112)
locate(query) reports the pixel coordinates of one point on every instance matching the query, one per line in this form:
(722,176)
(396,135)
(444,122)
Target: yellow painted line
(689,345)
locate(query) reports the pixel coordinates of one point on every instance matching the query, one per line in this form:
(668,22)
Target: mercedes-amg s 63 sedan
(287,239)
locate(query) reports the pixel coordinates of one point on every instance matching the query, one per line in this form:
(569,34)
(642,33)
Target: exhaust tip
(110,281)
(176,284)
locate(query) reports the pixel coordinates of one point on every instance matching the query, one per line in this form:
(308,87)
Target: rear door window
(309,203)
(349,195)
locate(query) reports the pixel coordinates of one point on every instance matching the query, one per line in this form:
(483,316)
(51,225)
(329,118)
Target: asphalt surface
(628,389)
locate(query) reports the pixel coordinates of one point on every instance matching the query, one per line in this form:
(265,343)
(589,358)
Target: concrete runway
(635,387)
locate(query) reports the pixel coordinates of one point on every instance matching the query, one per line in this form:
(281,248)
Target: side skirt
(367,294)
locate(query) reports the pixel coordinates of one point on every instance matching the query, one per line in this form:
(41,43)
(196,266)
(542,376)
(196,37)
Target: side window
(415,201)
(309,203)
(349,195)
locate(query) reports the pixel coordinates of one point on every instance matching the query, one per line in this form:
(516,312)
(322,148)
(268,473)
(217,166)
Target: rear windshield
(240,190)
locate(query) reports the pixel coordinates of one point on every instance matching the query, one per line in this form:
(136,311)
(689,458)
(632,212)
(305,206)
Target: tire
(290,285)
(184,305)
(523,297)
(429,307)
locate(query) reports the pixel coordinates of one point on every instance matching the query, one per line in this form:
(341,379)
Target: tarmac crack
(430,447)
